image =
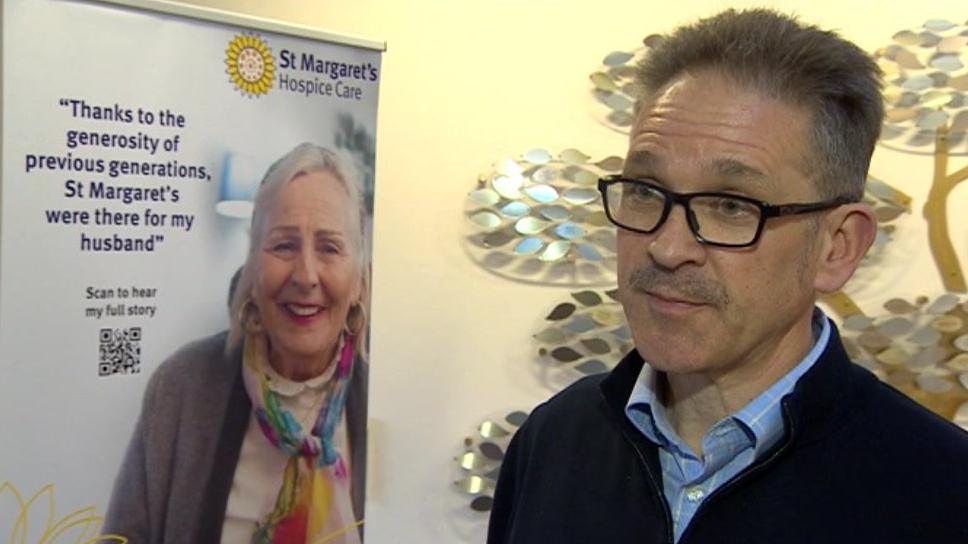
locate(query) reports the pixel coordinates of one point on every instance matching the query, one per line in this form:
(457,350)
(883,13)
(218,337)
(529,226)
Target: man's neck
(697,401)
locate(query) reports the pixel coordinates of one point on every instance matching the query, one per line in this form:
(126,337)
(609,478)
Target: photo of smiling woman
(258,434)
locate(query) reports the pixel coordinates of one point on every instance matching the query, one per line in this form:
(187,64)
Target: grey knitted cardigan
(174,483)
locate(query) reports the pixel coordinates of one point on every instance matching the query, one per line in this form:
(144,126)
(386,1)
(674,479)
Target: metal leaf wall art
(540,218)
(926,99)
(586,334)
(613,85)
(926,77)
(920,347)
(479,463)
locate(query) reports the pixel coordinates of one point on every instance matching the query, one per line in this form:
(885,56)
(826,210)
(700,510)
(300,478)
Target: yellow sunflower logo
(250,65)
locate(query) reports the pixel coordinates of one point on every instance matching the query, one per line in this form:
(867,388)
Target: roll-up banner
(135,137)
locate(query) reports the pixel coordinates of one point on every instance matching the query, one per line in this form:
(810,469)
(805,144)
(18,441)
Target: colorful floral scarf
(315,482)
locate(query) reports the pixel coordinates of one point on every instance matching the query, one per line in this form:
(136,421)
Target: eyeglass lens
(718,218)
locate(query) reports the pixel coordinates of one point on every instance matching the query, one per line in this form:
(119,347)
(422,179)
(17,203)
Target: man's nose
(674,243)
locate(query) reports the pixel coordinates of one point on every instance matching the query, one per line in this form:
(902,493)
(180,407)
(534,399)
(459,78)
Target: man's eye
(731,207)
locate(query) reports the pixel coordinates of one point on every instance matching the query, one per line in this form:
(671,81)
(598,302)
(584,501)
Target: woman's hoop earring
(355,319)
(249,316)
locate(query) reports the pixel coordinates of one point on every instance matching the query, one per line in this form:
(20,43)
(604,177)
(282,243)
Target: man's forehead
(644,162)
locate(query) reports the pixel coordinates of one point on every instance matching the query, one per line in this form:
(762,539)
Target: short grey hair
(779,57)
(304,159)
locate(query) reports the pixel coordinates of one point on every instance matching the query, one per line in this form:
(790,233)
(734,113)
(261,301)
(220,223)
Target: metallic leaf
(617,58)
(947,62)
(544,174)
(603,81)
(591,366)
(569,231)
(551,335)
(596,346)
(555,213)
(938,25)
(516,418)
(906,37)
(936,99)
(907,60)
(472,484)
(960,82)
(581,324)
(580,196)
(515,209)
(471,461)
(530,225)
(489,429)
(544,194)
(565,354)
(612,163)
(917,83)
(587,298)
(573,156)
(607,318)
(943,304)
(899,115)
(491,451)
(584,177)
(482,503)
(619,102)
(529,246)
(484,197)
(508,186)
(588,252)
(486,220)
(895,326)
(538,156)
(959,124)
(561,311)
(555,250)
(952,44)
(925,337)
(934,384)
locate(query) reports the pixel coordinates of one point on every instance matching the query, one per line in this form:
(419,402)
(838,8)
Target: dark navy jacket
(859,463)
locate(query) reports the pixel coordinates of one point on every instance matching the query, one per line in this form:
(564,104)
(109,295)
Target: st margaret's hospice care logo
(249,64)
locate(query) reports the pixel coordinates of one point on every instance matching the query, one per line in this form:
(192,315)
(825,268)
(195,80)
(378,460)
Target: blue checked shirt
(729,446)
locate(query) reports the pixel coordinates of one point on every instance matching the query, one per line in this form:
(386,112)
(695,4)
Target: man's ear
(847,232)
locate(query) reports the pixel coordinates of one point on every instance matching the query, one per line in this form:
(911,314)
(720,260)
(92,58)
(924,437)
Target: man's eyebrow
(734,169)
(640,161)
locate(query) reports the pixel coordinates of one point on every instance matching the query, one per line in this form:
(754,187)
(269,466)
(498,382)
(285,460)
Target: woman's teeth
(303,310)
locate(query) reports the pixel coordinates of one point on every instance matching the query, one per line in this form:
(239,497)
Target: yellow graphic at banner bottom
(250,65)
(39,515)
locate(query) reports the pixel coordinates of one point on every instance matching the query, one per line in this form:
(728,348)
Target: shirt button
(695,494)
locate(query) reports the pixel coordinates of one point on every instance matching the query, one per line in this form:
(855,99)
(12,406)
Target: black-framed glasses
(718,219)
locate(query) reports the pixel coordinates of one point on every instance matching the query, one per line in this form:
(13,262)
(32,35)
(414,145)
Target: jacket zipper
(655,487)
(751,470)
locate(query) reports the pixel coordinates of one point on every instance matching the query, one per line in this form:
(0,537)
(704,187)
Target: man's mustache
(682,284)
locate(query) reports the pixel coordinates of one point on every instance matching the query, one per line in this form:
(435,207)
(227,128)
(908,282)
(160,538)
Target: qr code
(120,351)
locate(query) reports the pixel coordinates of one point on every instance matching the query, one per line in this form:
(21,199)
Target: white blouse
(259,474)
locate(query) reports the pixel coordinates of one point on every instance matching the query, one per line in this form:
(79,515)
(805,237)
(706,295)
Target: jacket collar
(818,402)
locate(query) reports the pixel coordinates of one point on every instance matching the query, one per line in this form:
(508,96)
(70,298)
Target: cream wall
(464,84)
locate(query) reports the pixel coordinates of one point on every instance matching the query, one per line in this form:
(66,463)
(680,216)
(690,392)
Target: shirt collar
(762,417)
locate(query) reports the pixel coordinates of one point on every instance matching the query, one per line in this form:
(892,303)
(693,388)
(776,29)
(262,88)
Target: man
(738,417)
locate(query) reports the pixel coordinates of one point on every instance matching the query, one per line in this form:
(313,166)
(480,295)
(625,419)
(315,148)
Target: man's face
(700,308)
